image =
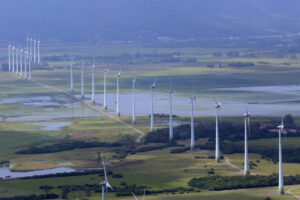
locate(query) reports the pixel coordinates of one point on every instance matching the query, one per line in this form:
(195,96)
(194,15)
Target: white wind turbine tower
(13,58)
(21,63)
(281,184)
(82,79)
(247,128)
(193,99)
(218,108)
(38,51)
(133,100)
(152,105)
(93,83)
(104,89)
(71,75)
(17,61)
(25,63)
(118,93)
(29,67)
(105,184)
(171,92)
(30,46)
(9,56)
(27,44)
(34,50)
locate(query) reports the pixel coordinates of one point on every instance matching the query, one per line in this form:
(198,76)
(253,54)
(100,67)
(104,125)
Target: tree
(46,188)
(289,121)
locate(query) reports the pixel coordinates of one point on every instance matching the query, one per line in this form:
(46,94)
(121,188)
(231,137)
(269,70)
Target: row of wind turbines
(20,59)
(193,101)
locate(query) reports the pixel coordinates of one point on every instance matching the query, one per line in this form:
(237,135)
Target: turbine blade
(103,164)
(248,121)
(144,194)
(134,196)
(220,116)
(108,186)
(153,85)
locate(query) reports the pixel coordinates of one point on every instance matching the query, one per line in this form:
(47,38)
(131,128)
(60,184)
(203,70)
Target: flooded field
(42,107)
(48,126)
(6,173)
(261,100)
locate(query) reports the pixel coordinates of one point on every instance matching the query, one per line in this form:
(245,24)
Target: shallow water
(5,172)
(49,126)
(261,100)
(44,107)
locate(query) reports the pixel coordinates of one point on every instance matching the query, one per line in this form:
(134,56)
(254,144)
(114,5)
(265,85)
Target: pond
(48,126)
(43,107)
(5,172)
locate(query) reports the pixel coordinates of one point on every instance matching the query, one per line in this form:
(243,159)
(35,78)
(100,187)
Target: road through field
(290,192)
(142,134)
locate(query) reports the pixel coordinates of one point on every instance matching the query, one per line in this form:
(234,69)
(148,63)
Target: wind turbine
(281,184)
(218,108)
(247,128)
(105,184)
(193,99)
(17,61)
(30,45)
(71,75)
(82,79)
(152,105)
(25,63)
(143,195)
(104,90)
(29,62)
(171,92)
(93,83)
(21,63)
(118,93)
(27,43)
(13,58)
(133,100)
(34,52)
(9,55)
(38,51)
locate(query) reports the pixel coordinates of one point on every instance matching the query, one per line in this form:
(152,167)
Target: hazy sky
(92,20)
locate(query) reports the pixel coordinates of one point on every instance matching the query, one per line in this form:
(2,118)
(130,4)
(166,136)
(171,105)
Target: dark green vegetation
(232,137)
(66,146)
(32,197)
(238,182)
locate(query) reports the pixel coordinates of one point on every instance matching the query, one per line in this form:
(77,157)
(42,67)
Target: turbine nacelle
(281,126)
(118,75)
(153,85)
(218,105)
(171,91)
(247,114)
(192,99)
